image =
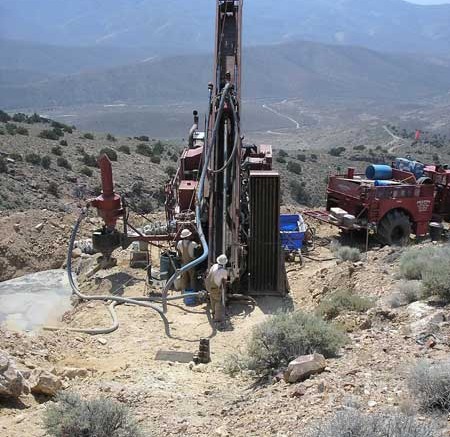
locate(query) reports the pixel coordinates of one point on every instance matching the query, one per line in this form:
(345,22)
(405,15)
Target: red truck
(394,209)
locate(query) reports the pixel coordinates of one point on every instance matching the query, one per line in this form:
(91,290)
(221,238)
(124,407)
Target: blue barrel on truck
(379,172)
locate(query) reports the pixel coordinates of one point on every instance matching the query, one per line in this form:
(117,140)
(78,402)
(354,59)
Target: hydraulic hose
(237,138)
(95,331)
(198,205)
(115,300)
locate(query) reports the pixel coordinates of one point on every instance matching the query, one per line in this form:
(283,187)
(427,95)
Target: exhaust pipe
(193,129)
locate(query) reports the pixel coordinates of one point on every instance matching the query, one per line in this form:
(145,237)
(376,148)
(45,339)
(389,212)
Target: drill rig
(224,191)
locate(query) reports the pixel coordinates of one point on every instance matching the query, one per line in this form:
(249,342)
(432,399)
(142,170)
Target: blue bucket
(190,301)
(380,172)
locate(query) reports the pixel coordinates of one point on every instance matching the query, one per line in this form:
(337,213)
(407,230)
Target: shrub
(155,159)
(414,261)
(89,160)
(86,171)
(346,253)
(171,171)
(301,157)
(3,165)
(281,160)
(110,153)
(19,117)
(408,292)
(61,126)
(360,147)
(111,138)
(11,128)
(49,135)
(145,206)
(341,301)
(174,157)
(124,149)
(63,143)
(33,158)
(22,131)
(144,149)
(46,162)
(53,189)
(137,187)
(314,157)
(36,118)
(336,151)
(62,162)
(356,424)
(2,131)
(88,136)
(74,416)
(432,265)
(430,385)
(158,148)
(436,278)
(58,131)
(282,153)
(143,138)
(4,117)
(280,339)
(299,193)
(294,167)
(56,150)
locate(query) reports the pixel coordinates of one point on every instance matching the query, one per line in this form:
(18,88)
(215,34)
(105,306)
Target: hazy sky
(429,2)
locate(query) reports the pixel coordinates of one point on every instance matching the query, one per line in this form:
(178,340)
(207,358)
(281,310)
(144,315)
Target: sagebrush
(73,416)
(432,266)
(407,292)
(353,423)
(430,385)
(343,300)
(280,339)
(346,253)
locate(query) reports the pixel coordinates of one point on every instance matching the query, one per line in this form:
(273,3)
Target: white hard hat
(185,233)
(222,260)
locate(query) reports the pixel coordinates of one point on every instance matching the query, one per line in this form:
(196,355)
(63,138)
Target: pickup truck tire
(394,229)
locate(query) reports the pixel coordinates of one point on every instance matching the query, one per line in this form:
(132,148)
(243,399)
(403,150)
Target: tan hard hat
(185,233)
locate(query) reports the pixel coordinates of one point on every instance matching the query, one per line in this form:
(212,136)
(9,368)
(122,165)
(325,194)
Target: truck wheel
(395,229)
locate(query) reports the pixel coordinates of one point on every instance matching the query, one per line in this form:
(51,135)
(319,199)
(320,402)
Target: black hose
(114,300)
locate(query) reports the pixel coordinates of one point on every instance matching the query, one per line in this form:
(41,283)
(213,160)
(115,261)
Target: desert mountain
(185,27)
(313,71)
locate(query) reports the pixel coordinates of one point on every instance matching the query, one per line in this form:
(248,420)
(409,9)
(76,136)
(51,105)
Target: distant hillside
(53,59)
(306,70)
(183,27)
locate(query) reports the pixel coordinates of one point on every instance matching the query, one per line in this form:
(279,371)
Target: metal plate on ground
(176,356)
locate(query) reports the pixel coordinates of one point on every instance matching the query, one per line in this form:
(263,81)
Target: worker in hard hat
(215,284)
(186,249)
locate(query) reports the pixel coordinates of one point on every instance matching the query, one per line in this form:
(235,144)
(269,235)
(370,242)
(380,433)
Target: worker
(215,282)
(186,250)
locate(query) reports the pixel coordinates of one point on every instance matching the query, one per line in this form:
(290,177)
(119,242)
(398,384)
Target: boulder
(424,318)
(305,366)
(419,310)
(44,382)
(12,382)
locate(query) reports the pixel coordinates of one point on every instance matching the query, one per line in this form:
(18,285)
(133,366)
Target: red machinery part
(108,204)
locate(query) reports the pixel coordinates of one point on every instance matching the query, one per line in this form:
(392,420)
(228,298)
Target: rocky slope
(170,398)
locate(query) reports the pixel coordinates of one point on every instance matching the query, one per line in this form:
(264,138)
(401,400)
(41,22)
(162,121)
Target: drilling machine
(224,191)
